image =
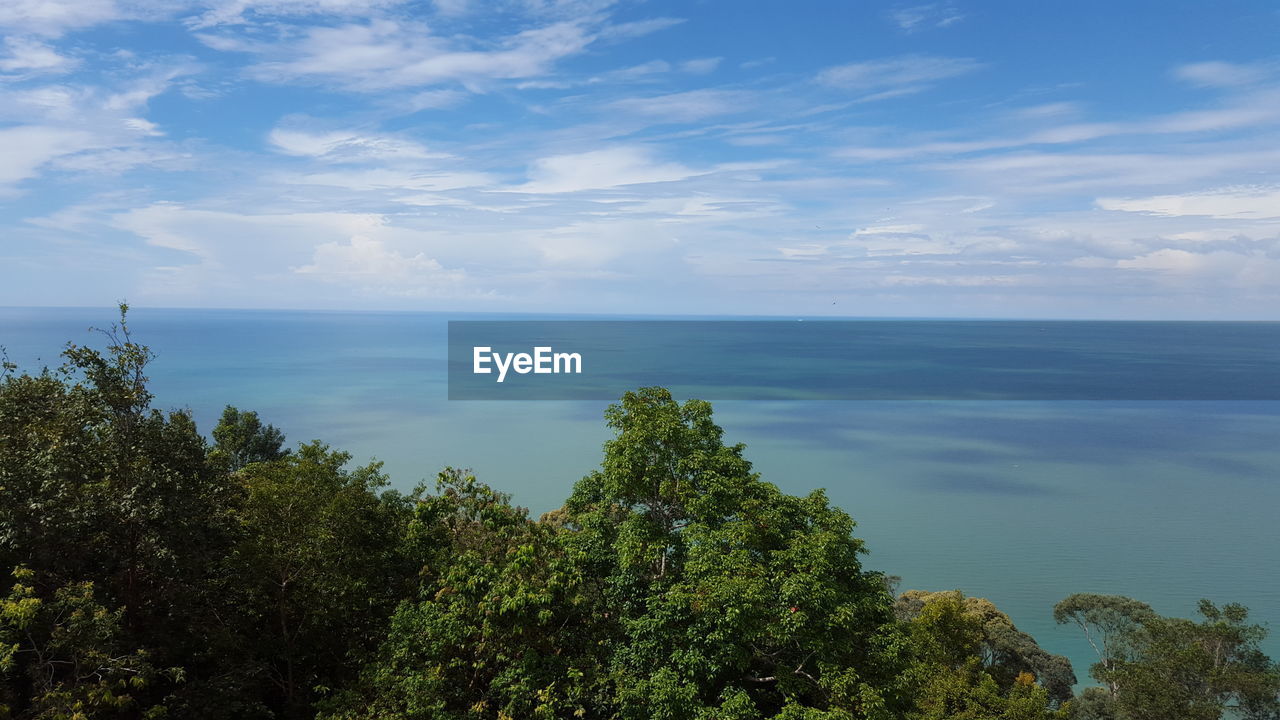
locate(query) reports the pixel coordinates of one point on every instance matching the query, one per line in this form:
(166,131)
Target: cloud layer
(592,155)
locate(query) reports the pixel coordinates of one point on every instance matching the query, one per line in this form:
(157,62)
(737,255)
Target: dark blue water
(1022,502)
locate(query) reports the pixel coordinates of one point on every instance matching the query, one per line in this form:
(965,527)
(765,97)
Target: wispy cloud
(52,18)
(690,106)
(234,12)
(921,17)
(1225,74)
(601,169)
(340,146)
(1247,203)
(701,66)
(367,264)
(385,54)
(896,73)
(27,57)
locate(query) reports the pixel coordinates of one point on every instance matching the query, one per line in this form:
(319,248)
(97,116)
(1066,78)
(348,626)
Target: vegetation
(152,573)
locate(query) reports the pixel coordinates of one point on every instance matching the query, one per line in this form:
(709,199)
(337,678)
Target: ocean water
(1021,502)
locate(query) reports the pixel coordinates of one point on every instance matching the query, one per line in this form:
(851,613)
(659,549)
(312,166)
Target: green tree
(497,628)
(75,662)
(1196,670)
(972,662)
(1159,667)
(723,597)
(240,438)
(1108,623)
(319,569)
(97,488)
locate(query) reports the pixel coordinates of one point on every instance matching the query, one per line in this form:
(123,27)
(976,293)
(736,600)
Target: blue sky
(994,159)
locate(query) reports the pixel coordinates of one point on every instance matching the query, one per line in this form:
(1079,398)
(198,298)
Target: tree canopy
(150,572)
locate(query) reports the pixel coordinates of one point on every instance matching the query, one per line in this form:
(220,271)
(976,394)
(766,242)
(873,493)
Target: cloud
(368,264)
(52,18)
(231,12)
(920,17)
(601,169)
(907,70)
(633,73)
(341,146)
(638,28)
(688,106)
(279,257)
(27,148)
(383,179)
(431,100)
(1223,74)
(1220,269)
(100,125)
(1257,112)
(899,240)
(26,57)
(385,54)
(701,66)
(1234,203)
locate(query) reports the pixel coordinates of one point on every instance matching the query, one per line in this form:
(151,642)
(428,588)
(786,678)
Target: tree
(1108,623)
(972,662)
(240,438)
(1181,668)
(722,596)
(1159,667)
(318,568)
(74,658)
(99,490)
(497,626)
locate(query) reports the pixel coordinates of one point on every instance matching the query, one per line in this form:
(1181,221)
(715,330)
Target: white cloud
(431,100)
(596,245)
(601,169)
(27,56)
(386,54)
(347,146)
(230,12)
(380,179)
(701,66)
(368,264)
(688,106)
(1220,269)
(275,257)
(452,8)
(638,28)
(978,281)
(102,126)
(920,17)
(27,148)
(896,72)
(1236,203)
(1257,113)
(54,17)
(1222,74)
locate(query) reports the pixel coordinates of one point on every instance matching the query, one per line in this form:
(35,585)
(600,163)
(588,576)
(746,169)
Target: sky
(950,159)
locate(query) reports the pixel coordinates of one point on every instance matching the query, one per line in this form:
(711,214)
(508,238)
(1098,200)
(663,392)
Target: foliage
(318,568)
(1159,667)
(98,490)
(496,627)
(724,597)
(158,575)
(71,649)
(240,438)
(972,662)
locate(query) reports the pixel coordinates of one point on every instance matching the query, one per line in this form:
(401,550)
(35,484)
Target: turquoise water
(1020,502)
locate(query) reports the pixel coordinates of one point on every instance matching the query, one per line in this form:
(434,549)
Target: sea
(1023,502)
